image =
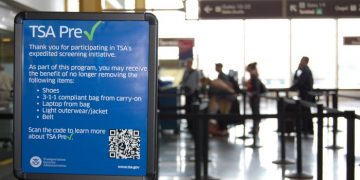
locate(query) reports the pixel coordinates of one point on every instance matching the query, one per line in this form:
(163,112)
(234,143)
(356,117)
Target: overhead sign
(85,95)
(354,40)
(230,9)
(175,41)
(185,46)
(306,8)
(242,9)
(186,49)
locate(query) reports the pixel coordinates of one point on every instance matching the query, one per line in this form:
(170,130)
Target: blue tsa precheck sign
(87,99)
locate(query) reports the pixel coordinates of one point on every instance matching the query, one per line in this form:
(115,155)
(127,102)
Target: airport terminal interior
(235,36)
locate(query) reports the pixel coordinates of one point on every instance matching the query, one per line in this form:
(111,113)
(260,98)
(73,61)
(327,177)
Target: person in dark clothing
(221,75)
(235,107)
(303,82)
(254,89)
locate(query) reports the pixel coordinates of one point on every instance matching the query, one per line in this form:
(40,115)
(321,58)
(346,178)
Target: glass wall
(267,43)
(315,38)
(348,55)
(220,42)
(277,45)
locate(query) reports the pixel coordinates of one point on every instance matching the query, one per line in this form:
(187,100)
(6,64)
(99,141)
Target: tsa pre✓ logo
(35,161)
(41,31)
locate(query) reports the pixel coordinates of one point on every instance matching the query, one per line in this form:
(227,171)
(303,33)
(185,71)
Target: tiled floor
(231,160)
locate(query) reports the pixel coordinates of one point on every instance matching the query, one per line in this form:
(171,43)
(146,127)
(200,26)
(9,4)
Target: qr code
(124,144)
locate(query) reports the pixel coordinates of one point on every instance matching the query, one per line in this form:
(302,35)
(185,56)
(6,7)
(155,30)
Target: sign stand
(85,96)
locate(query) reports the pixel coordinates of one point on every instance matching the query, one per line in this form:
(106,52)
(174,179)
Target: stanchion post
(282,130)
(201,146)
(350,156)
(281,121)
(335,106)
(205,146)
(327,105)
(244,101)
(327,100)
(335,123)
(255,134)
(298,138)
(320,117)
(244,111)
(299,174)
(198,142)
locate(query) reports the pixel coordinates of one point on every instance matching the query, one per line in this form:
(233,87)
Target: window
(267,43)
(220,42)
(349,55)
(315,38)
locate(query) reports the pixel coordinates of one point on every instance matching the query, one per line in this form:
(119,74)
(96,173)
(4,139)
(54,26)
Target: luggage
(235,109)
(290,122)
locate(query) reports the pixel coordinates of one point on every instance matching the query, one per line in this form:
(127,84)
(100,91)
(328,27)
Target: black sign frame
(152,147)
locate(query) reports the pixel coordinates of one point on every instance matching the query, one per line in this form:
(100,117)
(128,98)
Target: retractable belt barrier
(201,137)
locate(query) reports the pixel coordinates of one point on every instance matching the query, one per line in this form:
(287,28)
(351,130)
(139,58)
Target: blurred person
(303,82)
(6,85)
(232,82)
(221,75)
(190,85)
(235,107)
(221,97)
(254,88)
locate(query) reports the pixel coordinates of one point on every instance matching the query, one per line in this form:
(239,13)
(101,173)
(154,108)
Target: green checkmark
(70,137)
(90,36)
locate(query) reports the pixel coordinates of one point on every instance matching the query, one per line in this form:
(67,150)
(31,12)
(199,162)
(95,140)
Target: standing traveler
(221,97)
(221,75)
(303,82)
(254,88)
(190,84)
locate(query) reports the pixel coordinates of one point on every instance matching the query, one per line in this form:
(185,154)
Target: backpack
(262,87)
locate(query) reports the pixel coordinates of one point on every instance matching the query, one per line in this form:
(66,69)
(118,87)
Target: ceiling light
(115,4)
